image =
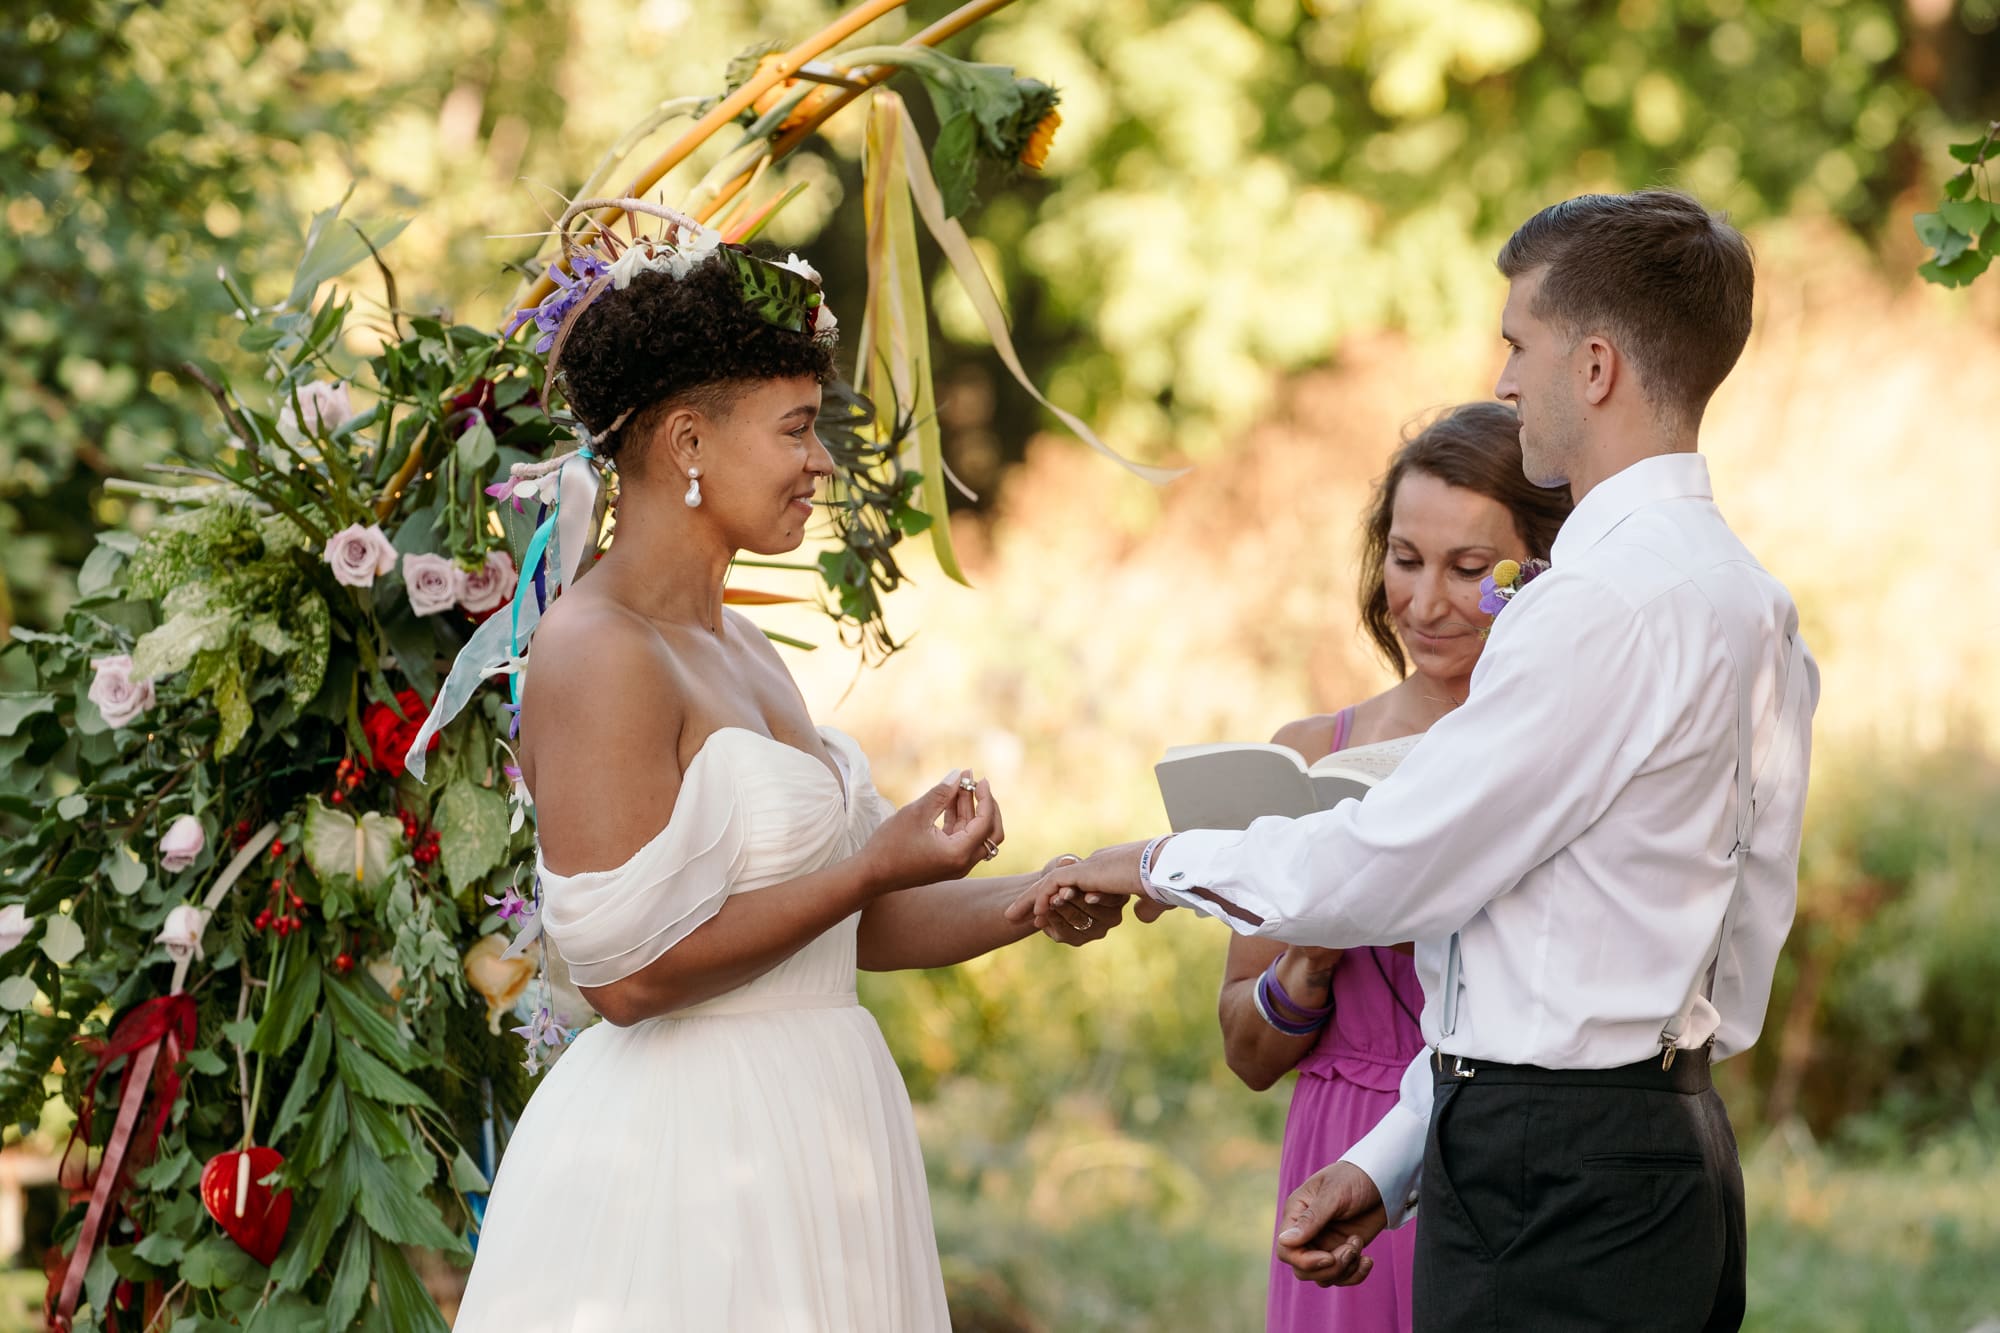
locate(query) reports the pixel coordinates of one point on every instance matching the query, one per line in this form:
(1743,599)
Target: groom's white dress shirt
(1571,826)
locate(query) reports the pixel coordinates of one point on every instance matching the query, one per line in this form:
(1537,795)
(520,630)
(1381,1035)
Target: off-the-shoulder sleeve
(608,924)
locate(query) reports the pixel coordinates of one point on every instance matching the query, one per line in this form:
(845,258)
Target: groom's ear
(1603,368)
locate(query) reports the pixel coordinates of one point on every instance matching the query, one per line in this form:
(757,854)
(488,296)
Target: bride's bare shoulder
(1310,736)
(598,675)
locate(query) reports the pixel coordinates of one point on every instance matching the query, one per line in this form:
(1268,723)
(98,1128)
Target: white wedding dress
(748,1163)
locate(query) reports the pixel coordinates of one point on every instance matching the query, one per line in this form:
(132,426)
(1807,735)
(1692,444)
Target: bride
(734,1148)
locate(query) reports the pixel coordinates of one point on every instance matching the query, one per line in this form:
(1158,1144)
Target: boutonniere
(1507,579)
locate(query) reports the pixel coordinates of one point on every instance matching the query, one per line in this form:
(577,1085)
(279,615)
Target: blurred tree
(139,144)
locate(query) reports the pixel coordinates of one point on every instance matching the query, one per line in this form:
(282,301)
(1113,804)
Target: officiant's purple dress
(1346,1083)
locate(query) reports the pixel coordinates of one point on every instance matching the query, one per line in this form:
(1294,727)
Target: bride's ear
(677,442)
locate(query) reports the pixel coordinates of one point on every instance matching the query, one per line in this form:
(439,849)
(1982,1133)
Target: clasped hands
(1069,886)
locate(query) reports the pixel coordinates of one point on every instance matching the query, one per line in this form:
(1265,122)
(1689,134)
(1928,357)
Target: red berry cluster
(343,962)
(423,842)
(346,778)
(282,915)
(241,833)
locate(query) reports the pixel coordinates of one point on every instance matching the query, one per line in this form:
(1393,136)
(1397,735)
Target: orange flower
(1037,151)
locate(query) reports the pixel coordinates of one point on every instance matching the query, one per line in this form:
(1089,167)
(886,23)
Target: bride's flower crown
(784,294)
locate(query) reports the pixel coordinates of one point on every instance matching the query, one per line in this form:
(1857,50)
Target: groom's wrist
(1147,858)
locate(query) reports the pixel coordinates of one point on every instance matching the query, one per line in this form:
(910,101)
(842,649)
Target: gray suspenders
(1724,593)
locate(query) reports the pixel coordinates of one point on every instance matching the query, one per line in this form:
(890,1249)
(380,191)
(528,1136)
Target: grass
(1078,1227)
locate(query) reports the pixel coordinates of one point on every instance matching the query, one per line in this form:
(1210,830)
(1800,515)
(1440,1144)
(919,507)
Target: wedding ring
(991,850)
(968,783)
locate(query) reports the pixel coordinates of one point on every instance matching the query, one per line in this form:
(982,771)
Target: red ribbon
(166,1020)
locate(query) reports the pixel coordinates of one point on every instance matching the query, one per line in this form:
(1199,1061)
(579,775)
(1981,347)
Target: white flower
(325,406)
(120,698)
(802,268)
(433,583)
(700,244)
(637,258)
(359,554)
(488,586)
(15,923)
(824,324)
(182,845)
(182,932)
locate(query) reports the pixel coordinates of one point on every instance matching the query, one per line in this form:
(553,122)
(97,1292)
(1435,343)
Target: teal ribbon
(531,562)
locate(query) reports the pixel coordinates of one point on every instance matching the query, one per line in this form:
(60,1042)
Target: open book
(1228,786)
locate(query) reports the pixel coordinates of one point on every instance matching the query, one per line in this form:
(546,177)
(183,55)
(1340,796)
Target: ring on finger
(991,850)
(968,783)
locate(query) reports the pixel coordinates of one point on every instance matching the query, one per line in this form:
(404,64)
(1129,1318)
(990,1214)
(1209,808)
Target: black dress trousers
(1557,1200)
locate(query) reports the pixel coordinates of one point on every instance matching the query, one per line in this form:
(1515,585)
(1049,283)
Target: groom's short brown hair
(1667,280)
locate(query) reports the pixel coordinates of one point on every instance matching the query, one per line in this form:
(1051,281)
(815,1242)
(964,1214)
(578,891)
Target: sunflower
(1036,152)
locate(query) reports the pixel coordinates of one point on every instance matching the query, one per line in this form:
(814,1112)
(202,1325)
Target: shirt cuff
(1392,1155)
(1180,868)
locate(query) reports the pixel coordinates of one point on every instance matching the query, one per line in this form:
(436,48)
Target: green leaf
(312,1071)
(17,993)
(260,338)
(369,1077)
(1965,267)
(350,1279)
(286,1312)
(326,1129)
(1967,215)
(125,870)
(288,1005)
(306,1246)
(471,823)
(163,651)
(377,1128)
(18,708)
(161,1249)
(332,249)
(408,1306)
(62,939)
(396,1212)
(1970,151)
(216,1263)
(1959,186)
(207,1063)
(476,449)
(163,1173)
(232,707)
(466,1177)
(73,807)
(955,161)
(358,1018)
(99,574)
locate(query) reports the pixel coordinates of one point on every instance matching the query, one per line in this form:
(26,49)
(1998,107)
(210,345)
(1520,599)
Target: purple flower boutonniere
(1508,578)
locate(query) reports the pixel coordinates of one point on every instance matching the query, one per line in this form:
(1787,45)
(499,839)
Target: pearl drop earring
(693,497)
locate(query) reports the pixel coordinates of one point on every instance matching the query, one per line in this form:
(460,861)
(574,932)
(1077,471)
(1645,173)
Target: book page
(1373,762)
(1229,786)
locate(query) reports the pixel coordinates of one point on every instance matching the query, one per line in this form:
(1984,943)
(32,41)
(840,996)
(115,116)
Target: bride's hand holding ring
(939,836)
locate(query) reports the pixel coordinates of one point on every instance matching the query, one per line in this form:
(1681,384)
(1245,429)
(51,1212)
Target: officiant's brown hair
(1668,281)
(1476,447)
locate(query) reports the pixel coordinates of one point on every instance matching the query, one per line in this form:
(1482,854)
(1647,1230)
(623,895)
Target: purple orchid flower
(513,721)
(1490,600)
(511,905)
(542,1031)
(571,288)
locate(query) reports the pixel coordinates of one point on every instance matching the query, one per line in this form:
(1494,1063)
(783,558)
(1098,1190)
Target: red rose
(390,736)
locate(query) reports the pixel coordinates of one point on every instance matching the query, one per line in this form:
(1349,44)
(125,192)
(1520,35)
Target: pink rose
(489,585)
(359,554)
(325,407)
(433,582)
(182,845)
(120,698)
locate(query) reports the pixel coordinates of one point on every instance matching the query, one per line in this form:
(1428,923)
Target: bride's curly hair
(661,339)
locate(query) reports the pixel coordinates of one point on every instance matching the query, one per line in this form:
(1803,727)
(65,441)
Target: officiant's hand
(939,836)
(1327,1222)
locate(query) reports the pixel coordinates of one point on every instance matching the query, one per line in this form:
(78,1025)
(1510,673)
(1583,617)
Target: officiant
(1597,853)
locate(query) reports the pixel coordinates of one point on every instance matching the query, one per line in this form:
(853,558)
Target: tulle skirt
(752,1168)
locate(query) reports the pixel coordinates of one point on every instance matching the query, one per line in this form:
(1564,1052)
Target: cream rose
(182,932)
(359,555)
(182,845)
(488,586)
(120,698)
(434,583)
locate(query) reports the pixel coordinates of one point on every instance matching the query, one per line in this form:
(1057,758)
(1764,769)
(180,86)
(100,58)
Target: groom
(1597,853)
